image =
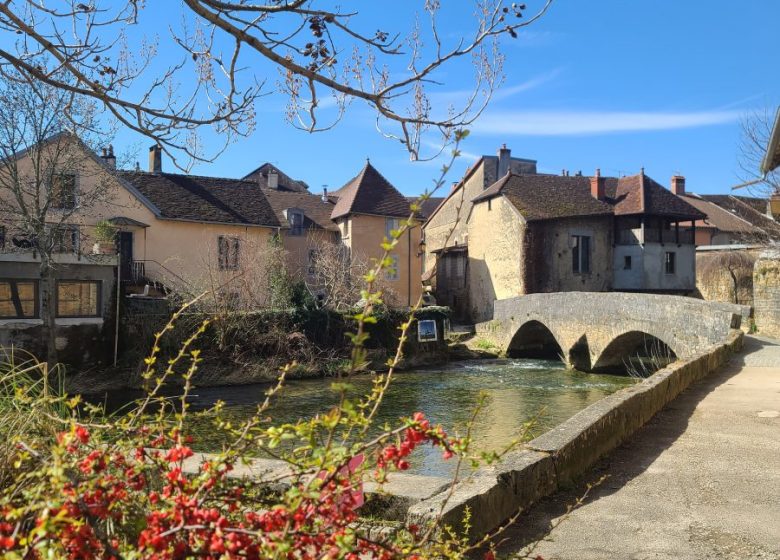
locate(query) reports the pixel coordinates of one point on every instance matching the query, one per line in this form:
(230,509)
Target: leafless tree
(325,56)
(756,129)
(46,138)
(336,277)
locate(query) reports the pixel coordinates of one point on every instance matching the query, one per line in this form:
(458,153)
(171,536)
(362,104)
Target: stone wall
(726,275)
(766,293)
(551,253)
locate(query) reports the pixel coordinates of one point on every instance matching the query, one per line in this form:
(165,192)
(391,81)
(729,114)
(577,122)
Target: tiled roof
(316,212)
(204,199)
(428,206)
(640,194)
(747,212)
(545,197)
(370,193)
(719,218)
(286,183)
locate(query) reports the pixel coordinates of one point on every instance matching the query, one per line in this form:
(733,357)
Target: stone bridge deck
(596,331)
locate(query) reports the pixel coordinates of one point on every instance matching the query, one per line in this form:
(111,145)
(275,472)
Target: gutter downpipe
(118,296)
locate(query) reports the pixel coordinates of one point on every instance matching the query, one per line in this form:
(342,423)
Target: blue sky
(613,84)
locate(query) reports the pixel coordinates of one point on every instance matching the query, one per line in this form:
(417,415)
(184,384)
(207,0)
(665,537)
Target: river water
(516,390)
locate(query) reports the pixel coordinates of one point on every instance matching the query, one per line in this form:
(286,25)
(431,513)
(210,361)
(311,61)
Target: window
(65,239)
(627,262)
(295,219)
(580,254)
(228,252)
(63,192)
(78,298)
(390,225)
(2,237)
(18,299)
(669,263)
(391,272)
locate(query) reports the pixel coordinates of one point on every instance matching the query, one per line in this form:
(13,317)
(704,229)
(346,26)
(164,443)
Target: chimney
(504,158)
(273,180)
(108,157)
(155,159)
(597,186)
(325,193)
(678,185)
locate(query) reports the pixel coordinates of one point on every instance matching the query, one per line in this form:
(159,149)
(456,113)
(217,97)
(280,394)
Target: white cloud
(566,123)
(458,97)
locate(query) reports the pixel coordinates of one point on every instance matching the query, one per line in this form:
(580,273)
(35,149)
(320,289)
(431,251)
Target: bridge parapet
(595,330)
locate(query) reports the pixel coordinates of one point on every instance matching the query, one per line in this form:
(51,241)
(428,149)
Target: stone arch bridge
(596,331)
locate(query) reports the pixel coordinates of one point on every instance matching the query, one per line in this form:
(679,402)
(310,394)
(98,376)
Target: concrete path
(700,481)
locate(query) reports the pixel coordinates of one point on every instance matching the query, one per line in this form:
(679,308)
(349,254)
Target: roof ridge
(189,175)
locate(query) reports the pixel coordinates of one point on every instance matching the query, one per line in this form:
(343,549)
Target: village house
(367,209)
(528,232)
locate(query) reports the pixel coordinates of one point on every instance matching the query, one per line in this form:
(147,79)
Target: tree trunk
(48,311)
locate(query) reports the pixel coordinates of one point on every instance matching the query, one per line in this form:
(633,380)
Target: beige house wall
(448,227)
(496,234)
(363,234)
(181,254)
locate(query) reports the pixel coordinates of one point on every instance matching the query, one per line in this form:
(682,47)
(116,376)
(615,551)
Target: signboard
(426,331)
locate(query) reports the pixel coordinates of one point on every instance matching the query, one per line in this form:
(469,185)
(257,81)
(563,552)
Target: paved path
(700,481)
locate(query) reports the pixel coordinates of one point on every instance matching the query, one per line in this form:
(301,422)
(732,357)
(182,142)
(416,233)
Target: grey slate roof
(204,199)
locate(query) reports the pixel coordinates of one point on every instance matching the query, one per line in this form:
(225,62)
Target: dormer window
(295,218)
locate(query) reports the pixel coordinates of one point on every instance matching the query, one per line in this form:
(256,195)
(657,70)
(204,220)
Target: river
(516,391)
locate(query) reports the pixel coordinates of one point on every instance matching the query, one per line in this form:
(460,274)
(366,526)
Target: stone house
(530,232)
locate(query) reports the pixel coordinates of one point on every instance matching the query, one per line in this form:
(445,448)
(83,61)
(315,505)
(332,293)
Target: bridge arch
(534,339)
(635,351)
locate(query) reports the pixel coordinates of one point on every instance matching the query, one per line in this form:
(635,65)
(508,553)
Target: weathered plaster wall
(627,279)
(655,275)
(495,255)
(551,248)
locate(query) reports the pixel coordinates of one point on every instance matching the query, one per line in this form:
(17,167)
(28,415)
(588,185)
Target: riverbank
(701,480)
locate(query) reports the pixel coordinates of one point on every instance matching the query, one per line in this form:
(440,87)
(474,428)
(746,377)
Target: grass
(485,344)
(31,397)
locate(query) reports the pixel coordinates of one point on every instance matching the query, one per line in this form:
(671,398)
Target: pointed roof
(370,193)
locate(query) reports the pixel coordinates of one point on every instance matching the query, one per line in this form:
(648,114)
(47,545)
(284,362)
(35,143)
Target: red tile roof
(545,197)
(316,212)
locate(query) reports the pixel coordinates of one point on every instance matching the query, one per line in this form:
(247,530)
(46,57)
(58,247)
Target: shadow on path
(634,456)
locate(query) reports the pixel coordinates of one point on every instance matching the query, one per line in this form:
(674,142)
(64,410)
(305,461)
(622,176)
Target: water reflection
(516,391)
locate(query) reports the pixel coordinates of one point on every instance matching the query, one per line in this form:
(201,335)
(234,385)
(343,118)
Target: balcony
(634,236)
